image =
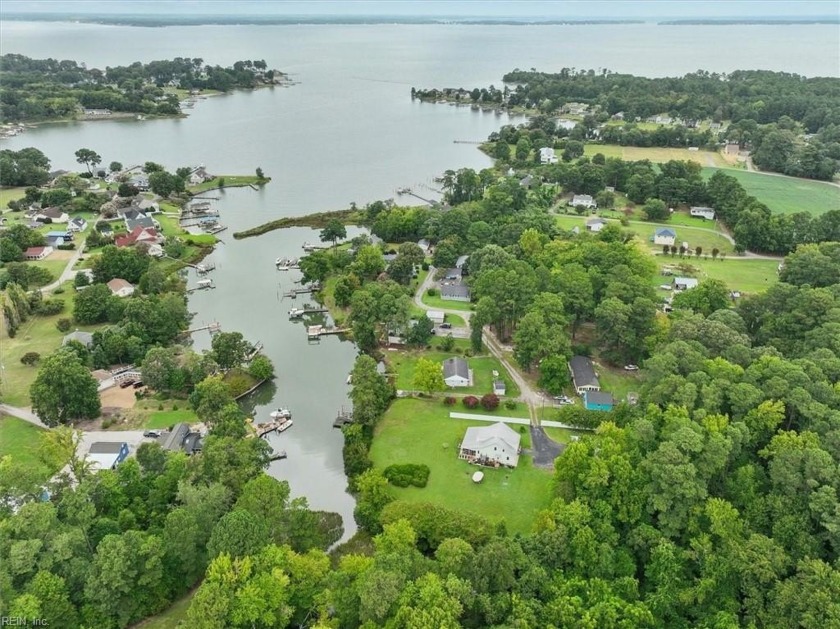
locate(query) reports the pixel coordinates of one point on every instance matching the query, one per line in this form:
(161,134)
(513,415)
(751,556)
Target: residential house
(583,374)
(461,262)
(85,338)
(106,455)
(684,283)
(199,175)
(455,292)
(583,200)
(55,214)
(497,444)
(37,253)
(595,224)
(499,387)
(147,206)
(120,287)
(568,125)
(68,236)
(144,221)
(436,316)
(174,440)
(139,235)
(77,224)
(597,401)
(619,115)
(452,274)
(424,245)
(547,155)
(703,212)
(131,213)
(664,236)
(155,250)
(527,181)
(141,182)
(457,372)
(97,112)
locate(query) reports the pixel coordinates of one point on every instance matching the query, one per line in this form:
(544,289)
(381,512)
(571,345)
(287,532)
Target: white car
(563,399)
(631,368)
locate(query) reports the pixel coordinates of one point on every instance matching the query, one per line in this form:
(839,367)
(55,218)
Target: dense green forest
(42,89)
(767,112)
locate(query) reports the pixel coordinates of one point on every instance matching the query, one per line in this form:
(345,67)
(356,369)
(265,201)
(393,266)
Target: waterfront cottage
(583,374)
(664,236)
(494,445)
(143,221)
(138,235)
(457,372)
(597,401)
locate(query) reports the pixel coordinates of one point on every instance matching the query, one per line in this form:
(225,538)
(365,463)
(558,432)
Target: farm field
(786,195)
(656,154)
(420,431)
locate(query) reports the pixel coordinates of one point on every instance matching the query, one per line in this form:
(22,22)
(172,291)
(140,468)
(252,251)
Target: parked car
(631,368)
(138,384)
(154,434)
(563,399)
(446,326)
(126,383)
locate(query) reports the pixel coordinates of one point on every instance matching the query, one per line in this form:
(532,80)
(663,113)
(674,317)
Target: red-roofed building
(148,235)
(37,253)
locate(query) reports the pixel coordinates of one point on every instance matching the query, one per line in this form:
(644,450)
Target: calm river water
(349,132)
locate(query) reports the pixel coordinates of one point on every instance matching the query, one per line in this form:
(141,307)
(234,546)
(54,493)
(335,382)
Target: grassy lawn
(617,381)
(38,334)
(10,194)
(748,276)
(55,267)
(171,618)
(19,439)
(231,181)
(420,431)
(165,419)
(786,194)
(655,154)
(436,301)
(562,435)
(644,231)
(403,363)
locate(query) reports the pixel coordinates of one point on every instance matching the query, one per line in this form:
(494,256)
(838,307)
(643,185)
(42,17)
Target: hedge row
(403,475)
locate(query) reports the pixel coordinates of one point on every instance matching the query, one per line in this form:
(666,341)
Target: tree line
(40,89)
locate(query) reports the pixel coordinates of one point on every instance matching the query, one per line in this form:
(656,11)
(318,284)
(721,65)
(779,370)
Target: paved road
(543,449)
(22,413)
(68,273)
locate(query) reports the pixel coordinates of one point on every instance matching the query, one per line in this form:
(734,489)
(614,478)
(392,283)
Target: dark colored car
(446,326)
(126,383)
(138,384)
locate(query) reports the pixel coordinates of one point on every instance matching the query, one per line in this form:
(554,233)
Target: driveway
(132,437)
(544,449)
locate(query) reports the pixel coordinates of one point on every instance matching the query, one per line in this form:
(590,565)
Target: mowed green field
(9,194)
(655,154)
(786,195)
(420,431)
(741,274)
(20,440)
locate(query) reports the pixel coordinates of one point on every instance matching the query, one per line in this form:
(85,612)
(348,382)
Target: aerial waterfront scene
(420,314)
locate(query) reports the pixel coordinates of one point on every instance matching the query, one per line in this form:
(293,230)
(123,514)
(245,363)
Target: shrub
(407,474)
(49,307)
(67,246)
(58,291)
(522,429)
(30,358)
(510,405)
(86,175)
(490,402)
(160,407)
(470,401)
(431,292)
(449,400)
(64,325)
(108,422)
(174,407)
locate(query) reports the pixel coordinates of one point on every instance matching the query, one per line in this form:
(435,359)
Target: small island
(44,90)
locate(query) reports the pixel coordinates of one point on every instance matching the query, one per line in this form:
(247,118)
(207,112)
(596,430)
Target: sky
(557,9)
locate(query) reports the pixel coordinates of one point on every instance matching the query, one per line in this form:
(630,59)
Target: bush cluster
(471,401)
(403,475)
(490,402)
(449,400)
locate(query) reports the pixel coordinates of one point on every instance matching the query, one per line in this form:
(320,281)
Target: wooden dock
(343,418)
(317,331)
(256,349)
(309,247)
(213,327)
(304,290)
(297,313)
(271,426)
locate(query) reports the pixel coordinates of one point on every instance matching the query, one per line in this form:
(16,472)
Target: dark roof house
(173,441)
(583,374)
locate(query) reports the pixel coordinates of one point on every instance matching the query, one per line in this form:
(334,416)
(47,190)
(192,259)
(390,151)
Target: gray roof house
(583,374)
(457,372)
(85,338)
(456,292)
(462,260)
(173,441)
(499,387)
(497,444)
(131,213)
(142,221)
(595,224)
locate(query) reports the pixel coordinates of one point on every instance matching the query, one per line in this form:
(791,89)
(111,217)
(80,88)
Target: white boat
(294,313)
(282,267)
(281,413)
(285,425)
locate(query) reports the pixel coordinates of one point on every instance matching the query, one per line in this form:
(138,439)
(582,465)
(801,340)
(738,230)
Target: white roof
(478,437)
(435,314)
(688,282)
(103,460)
